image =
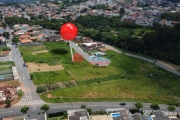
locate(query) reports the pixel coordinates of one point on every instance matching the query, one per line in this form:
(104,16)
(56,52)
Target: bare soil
(167,65)
(49,96)
(41,51)
(61,84)
(104,49)
(43,67)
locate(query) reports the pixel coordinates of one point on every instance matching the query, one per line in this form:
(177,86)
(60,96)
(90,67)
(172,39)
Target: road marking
(29,102)
(6,112)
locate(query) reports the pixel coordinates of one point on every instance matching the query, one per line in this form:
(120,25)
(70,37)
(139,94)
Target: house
(53,38)
(160,116)
(117,114)
(25,39)
(80,39)
(92,45)
(7,92)
(79,114)
(1,31)
(2,40)
(20,32)
(36,116)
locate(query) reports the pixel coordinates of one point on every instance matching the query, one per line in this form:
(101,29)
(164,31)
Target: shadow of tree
(7,106)
(59,51)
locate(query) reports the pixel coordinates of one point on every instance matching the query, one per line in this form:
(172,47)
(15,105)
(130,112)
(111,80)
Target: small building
(79,114)
(161,116)
(92,45)
(25,39)
(36,116)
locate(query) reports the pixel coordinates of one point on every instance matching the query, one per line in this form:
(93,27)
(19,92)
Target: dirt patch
(41,51)
(61,85)
(49,96)
(37,67)
(74,82)
(104,49)
(11,82)
(165,64)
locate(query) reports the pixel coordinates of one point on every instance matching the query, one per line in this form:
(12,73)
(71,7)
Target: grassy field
(52,76)
(123,79)
(4,69)
(7,63)
(141,32)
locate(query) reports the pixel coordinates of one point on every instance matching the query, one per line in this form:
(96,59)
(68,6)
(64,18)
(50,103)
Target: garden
(124,79)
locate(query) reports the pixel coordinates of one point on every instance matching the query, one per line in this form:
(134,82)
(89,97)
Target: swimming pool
(114,115)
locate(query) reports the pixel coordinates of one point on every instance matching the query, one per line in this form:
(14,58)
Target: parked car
(122,103)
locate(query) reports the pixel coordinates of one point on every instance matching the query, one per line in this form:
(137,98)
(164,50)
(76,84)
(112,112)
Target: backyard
(123,79)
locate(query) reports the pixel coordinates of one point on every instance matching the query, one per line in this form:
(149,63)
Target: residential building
(79,114)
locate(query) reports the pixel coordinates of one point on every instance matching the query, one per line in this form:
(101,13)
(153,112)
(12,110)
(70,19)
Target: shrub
(41,89)
(132,111)
(83,106)
(6,49)
(20,93)
(178,116)
(89,111)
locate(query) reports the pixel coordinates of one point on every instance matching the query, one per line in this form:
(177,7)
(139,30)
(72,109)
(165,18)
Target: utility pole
(133,102)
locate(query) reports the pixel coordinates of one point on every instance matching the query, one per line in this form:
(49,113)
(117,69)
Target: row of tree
(154,106)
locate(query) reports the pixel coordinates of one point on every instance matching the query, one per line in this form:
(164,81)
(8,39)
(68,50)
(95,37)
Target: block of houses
(79,114)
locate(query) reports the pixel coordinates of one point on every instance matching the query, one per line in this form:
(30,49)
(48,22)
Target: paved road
(146,59)
(68,106)
(30,91)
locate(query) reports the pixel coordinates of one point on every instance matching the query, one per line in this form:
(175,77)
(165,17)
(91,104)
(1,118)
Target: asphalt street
(30,91)
(15,111)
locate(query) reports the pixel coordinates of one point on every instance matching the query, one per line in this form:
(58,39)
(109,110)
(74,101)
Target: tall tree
(24,109)
(171,108)
(45,107)
(139,105)
(155,106)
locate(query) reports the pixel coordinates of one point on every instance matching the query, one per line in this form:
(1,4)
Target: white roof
(88,44)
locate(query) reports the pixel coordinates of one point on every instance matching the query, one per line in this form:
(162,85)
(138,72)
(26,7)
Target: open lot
(123,79)
(42,67)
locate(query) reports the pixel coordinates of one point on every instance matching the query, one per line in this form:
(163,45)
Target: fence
(100,61)
(31,44)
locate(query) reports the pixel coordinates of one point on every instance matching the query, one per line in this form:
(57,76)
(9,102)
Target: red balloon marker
(68,31)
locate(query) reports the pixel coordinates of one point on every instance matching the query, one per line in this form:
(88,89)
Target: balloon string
(71,51)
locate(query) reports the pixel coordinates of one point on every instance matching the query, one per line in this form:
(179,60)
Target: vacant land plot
(41,51)
(125,78)
(52,76)
(43,67)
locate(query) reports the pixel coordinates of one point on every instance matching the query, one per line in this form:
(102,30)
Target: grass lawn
(52,76)
(4,69)
(141,32)
(125,78)
(7,63)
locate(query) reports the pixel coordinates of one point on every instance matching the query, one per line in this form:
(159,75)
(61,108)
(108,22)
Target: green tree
(15,39)
(24,109)
(89,111)
(8,102)
(83,106)
(171,108)
(6,35)
(139,105)
(45,107)
(155,106)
